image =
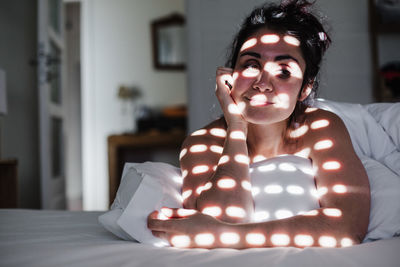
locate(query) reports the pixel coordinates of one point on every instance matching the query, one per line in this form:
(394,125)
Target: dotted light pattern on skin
(324,144)
(205,239)
(229,238)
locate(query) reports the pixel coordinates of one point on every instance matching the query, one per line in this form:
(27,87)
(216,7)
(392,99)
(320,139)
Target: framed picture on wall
(169,42)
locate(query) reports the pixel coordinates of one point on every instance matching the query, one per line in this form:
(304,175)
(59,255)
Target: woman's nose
(263,82)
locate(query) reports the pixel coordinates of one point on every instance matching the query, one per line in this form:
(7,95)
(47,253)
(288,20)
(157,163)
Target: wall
(116,50)
(346,70)
(19,128)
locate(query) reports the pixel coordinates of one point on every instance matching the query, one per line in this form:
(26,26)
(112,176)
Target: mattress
(66,238)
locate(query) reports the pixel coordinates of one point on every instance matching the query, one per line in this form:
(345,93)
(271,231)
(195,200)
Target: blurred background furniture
(153,145)
(8,184)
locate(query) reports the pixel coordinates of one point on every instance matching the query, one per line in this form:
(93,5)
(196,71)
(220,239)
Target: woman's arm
(217,164)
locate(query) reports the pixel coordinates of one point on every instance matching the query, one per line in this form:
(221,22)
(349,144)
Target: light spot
(161,216)
(160,244)
(246,185)
(198,148)
(205,239)
(291,40)
(218,132)
(283,214)
(295,189)
(216,149)
(346,242)
(180,241)
(199,132)
(229,238)
(296,72)
(224,159)
(311,213)
(226,183)
(302,130)
(249,43)
(186,212)
(183,153)
(308,170)
(250,72)
(287,167)
(177,179)
(324,144)
(304,153)
(309,110)
(256,239)
(255,191)
(332,212)
(184,174)
(261,216)
(322,191)
(214,211)
(236,212)
(281,101)
(238,135)
(259,158)
(214,167)
(319,124)
(303,240)
(267,168)
(280,239)
(258,100)
(270,38)
(240,158)
(236,109)
(187,193)
(322,36)
(331,165)
(200,169)
(327,241)
(199,189)
(273,189)
(207,186)
(339,188)
(167,212)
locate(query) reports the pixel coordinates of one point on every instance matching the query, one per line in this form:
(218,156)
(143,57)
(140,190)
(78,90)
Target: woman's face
(268,76)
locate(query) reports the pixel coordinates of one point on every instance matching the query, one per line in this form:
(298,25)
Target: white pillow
(388,116)
(145,187)
(384,219)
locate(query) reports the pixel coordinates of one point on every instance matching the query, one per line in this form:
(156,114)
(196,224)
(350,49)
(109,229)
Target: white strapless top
(282,187)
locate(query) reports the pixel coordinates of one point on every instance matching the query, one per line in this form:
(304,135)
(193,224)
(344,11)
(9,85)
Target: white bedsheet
(63,238)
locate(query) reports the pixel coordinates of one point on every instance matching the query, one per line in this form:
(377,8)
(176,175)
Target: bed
(66,238)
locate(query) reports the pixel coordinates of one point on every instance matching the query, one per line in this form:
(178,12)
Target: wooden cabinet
(382,25)
(8,184)
(149,146)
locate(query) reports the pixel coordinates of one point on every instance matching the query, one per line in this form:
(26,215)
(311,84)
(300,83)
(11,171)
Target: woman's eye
(284,74)
(250,66)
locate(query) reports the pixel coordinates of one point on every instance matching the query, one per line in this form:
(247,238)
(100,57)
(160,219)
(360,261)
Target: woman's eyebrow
(284,57)
(253,54)
(277,58)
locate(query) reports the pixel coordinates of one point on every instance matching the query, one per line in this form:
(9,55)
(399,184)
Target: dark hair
(293,18)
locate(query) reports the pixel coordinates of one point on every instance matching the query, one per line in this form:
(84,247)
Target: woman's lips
(259,100)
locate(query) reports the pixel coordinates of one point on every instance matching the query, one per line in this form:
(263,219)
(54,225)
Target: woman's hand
(185,228)
(232,110)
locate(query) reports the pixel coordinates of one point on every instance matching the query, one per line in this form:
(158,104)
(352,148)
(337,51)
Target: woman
(264,94)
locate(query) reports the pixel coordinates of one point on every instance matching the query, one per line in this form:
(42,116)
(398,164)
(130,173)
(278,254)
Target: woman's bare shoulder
(323,125)
(211,134)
